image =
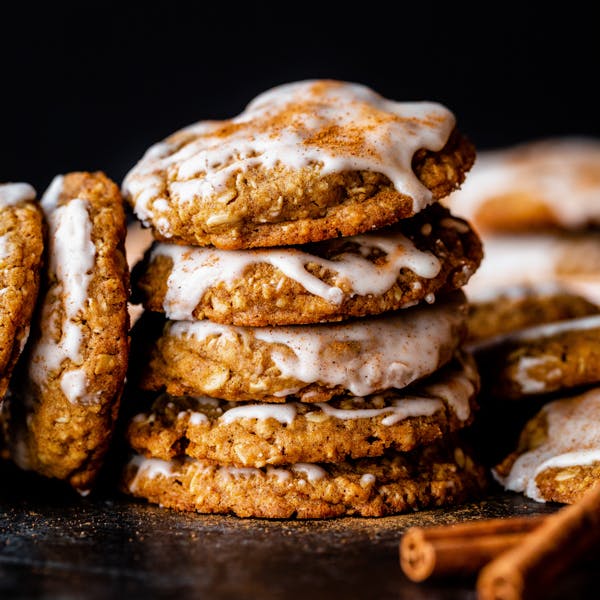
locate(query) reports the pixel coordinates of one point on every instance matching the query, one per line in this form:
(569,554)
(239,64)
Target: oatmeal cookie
(63,405)
(312,363)
(304,162)
(558,455)
(433,476)
(367,274)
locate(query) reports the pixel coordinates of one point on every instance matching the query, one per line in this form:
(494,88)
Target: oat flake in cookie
(304,162)
(21,248)
(63,403)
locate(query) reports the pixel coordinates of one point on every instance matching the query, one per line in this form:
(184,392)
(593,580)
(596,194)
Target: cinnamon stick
(461,549)
(528,569)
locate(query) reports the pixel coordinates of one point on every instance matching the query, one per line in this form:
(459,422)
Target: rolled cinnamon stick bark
(528,569)
(461,549)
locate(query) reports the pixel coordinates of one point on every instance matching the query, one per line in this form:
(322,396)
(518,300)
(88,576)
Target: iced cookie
(433,476)
(304,162)
(21,249)
(64,403)
(553,183)
(257,435)
(571,260)
(558,456)
(312,363)
(542,359)
(329,281)
(519,307)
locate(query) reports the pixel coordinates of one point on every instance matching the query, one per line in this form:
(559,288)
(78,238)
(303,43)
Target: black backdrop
(91,85)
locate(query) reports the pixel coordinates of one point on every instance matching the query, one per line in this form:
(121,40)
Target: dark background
(92,85)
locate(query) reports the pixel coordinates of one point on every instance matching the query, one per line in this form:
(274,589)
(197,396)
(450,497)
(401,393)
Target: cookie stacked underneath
(304,316)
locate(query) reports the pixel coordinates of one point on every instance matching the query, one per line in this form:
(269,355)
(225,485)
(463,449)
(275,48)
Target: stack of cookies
(304,320)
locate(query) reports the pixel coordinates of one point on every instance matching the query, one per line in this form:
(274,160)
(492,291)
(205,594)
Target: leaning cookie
(552,183)
(304,162)
(433,476)
(542,359)
(21,249)
(310,363)
(64,402)
(257,435)
(558,456)
(337,279)
(518,307)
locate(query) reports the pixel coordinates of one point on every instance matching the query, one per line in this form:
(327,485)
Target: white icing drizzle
(533,259)
(382,353)
(560,173)
(196,418)
(573,439)
(537,332)
(71,258)
(400,409)
(13,193)
(283,475)
(73,384)
(285,125)
(313,472)
(367,479)
(149,468)
(197,269)
(283,413)
(528,384)
(7,246)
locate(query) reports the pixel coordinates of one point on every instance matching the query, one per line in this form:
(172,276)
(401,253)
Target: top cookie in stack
(317,204)
(305,162)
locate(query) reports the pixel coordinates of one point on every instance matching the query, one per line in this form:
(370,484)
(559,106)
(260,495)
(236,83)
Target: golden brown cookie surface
(21,249)
(511,309)
(64,403)
(436,475)
(312,363)
(304,162)
(257,435)
(558,455)
(334,280)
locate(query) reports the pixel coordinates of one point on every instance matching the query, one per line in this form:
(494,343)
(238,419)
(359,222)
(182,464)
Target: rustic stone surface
(55,544)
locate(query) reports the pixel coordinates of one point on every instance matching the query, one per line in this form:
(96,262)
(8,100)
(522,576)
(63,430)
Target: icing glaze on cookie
(197,269)
(13,193)
(71,257)
(573,439)
(377,354)
(333,125)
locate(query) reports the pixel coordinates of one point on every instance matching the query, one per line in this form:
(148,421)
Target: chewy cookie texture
(430,477)
(21,248)
(65,396)
(304,162)
(312,363)
(258,434)
(396,267)
(309,364)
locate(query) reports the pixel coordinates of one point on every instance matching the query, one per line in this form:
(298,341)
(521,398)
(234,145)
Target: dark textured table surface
(56,545)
